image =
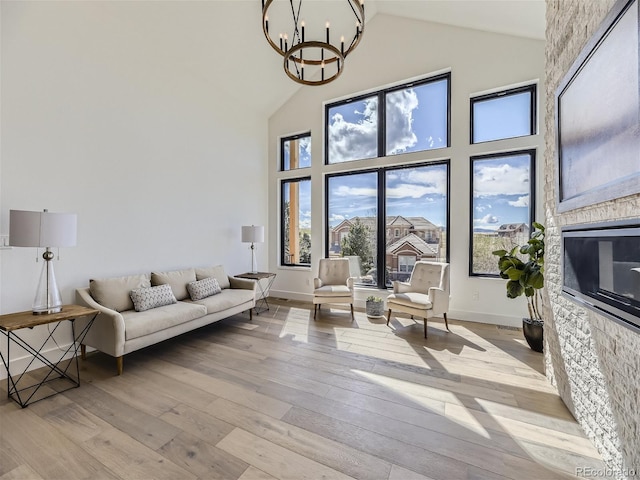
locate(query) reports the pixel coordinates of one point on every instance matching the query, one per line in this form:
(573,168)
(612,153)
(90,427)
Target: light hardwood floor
(288,397)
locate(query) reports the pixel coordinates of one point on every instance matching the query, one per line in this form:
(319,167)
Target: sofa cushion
(152,297)
(216,272)
(178,280)
(229,298)
(139,324)
(203,288)
(114,292)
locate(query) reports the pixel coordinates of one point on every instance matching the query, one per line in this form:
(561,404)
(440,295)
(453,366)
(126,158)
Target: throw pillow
(203,288)
(152,297)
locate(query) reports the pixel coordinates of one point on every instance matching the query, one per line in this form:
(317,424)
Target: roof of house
(416,242)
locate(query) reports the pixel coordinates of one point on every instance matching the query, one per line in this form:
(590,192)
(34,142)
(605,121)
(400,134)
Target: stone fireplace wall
(594,362)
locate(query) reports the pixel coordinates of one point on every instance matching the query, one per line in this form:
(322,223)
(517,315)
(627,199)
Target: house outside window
(295,152)
(295,222)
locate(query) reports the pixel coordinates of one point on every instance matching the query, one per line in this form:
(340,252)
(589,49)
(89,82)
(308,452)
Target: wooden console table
(262,304)
(12,322)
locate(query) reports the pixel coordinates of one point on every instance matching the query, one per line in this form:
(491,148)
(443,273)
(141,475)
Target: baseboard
(19,364)
(467,316)
(490,318)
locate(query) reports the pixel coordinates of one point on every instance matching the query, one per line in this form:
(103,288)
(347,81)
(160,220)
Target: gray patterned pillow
(152,297)
(203,288)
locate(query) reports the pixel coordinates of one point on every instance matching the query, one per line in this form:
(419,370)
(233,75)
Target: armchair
(333,284)
(425,295)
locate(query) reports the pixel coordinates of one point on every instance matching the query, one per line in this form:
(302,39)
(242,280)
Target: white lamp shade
(252,234)
(42,229)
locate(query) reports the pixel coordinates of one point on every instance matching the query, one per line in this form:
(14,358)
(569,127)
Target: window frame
(381,227)
(531,88)
(381,126)
(532,198)
(289,138)
(283,182)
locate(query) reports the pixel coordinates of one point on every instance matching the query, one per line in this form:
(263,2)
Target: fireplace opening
(601,269)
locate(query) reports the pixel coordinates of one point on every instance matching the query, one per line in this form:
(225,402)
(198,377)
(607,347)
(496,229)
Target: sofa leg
(445,321)
(315,309)
(251,314)
(425,327)
(388,316)
(83,351)
(352,317)
(119,364)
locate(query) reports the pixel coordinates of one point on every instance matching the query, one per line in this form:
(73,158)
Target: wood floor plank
(252,473)
(198,423)
(22,472)
(275,460)
(341,457)
(44,449)
(141,426)
(223,389)
(129,458)
(399,473)
(202,458)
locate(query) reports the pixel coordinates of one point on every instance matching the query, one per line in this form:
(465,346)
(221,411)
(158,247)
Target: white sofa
(120,329)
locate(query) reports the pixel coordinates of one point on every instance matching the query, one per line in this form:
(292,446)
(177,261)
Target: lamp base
(47,298)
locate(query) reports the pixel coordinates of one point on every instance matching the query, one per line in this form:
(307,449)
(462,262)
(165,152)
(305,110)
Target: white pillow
(203,288)
(152,297)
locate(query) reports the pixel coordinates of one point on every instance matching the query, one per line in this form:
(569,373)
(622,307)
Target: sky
(304,199)
(304,153)
(501,191)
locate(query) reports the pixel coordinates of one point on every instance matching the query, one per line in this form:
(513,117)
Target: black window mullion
(381,250)
(382,124)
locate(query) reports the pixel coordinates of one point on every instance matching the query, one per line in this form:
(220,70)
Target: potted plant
(375,306)
(525,276)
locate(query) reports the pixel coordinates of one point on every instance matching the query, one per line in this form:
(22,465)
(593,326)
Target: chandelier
(321,59)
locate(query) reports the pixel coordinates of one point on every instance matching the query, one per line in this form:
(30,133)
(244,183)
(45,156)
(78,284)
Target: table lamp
(252,234)
(43,230)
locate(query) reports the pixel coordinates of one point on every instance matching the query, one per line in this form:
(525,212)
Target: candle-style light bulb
(322,65)
(280,41)
(302,25)
(342,44)
(266,22)
(286,42)
(327,32)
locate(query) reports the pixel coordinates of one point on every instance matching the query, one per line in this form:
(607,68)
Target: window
(507,114)
(502,206)
(408,118)
(367,213)
(295,152)
(296,222)
(406,263)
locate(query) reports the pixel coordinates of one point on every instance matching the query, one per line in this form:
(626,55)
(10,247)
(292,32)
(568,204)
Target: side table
(262,304)
(10,323)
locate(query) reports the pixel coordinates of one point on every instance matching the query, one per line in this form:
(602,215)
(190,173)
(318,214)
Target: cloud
(399,123)
(403,190)
(486,220)
(504,179)
(336,218)
(354,141)
(346,191)
(521,202)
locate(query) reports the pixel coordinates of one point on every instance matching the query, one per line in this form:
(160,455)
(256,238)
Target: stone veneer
(594,362)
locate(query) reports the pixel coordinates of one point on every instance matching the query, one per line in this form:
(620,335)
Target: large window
(506,114)
(391,216)
(502,206)
(410,118)
(296,222)
(295,152)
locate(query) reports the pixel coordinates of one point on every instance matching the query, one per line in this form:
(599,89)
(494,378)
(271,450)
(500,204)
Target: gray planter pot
(375,309)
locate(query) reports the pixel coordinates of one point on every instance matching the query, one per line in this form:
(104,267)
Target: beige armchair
(333,284)
(425,295)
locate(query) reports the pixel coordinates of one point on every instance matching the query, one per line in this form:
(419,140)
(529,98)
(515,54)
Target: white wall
(393,50)
(103,116)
